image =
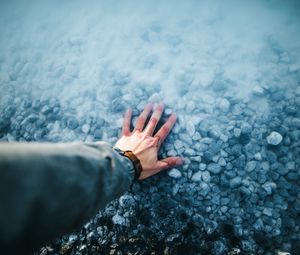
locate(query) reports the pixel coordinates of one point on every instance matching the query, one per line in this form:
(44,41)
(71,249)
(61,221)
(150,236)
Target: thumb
(168,163)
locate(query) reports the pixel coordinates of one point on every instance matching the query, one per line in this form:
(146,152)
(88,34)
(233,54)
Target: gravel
(237,127)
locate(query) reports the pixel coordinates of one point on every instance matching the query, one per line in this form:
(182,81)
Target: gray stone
(246,128)
(174,173)
(222,162)
(197,176)
(274,138)
(202,166)
(235,182)
(214,168)
(190,128)
(178,144)
(237,132)
(73,123)
(224,105)
(85,128)
(206,176)
(267,211)
(119,220)
(250,166)
(219,248)
(126,200)
(258,156)
(269,187)
(204,189)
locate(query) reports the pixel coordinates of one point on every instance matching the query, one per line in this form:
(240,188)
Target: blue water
(69,69)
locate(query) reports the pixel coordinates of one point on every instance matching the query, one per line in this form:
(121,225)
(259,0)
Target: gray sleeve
(49,189)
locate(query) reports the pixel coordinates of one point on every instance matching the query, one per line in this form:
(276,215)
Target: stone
(258,90)
(214,168)
(237,132)
(267,211)
(85,128)
(250,166)
(190,128)
(178,144)
(206,176)
(219,248)
(204,189)
(235,182)
(126,201)
(72,123)
(246,128)
(197,176)
(224,105)
(119,220)
(269,187)
(274,138)
(174,173)
(258,156)
(222,162)
(202,166)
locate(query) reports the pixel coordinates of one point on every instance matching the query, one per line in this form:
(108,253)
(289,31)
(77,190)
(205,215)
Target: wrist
(134,159)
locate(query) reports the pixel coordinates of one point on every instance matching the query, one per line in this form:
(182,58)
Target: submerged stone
(274,138)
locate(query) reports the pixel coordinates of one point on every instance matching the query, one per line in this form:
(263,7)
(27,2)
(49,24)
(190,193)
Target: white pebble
(274,138)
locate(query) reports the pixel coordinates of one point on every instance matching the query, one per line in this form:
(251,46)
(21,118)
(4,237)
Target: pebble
(126,201)
(178,144)
(274,138)
(235,182)
(174,173)
(197,176)
(224,105)
(250,166)
(190,128)
(269,187)
(206,176)
(85,128)
(119,220)
(204,189)
(214,168)
(237,132)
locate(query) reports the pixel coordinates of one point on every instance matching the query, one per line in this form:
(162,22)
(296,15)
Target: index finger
(126,123)
(163,132)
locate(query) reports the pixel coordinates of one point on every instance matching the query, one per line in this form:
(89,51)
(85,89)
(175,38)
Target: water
(231,71)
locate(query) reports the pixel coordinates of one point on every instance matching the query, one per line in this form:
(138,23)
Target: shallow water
(231,71)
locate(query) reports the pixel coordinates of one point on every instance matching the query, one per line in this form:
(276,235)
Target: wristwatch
(135,161)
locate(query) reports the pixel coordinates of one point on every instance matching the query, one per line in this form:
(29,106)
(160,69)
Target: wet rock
(197,176)
(274,138)
(269,187)
(126,201)
(235,182)
(214,168)
(119,220)
(73,123)
(190,128)
(174,173)
(250,166)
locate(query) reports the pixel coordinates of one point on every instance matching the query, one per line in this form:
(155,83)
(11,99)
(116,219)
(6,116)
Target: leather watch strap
(136,162)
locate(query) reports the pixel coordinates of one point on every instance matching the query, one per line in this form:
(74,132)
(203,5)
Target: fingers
(140,123)
(126,123)
(154,119)
(166,128)
(168,163)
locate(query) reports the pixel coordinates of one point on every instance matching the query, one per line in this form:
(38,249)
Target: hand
(142,142)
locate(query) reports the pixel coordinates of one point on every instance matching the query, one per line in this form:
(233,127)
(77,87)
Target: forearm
(50,189)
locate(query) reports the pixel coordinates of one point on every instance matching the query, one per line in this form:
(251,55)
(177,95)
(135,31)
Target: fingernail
(179,161)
